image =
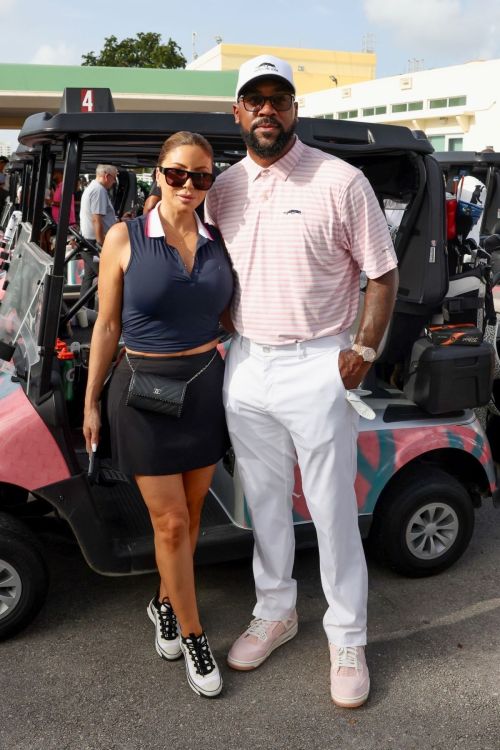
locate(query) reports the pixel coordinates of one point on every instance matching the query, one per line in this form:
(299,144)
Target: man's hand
(352,368)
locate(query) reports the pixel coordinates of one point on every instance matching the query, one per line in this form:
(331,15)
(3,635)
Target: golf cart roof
(467,158)
(121,133)
(21,155)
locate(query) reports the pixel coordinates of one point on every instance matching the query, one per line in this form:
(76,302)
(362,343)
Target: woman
(164,282)
(56,196)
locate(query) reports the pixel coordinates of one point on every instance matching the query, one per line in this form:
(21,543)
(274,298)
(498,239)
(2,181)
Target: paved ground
(85,676)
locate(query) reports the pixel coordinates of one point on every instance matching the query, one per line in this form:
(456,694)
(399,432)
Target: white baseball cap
(264,66)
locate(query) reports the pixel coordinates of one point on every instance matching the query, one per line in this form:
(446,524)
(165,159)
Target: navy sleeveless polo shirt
(165,308)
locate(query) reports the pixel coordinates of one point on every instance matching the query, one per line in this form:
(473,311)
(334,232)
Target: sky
(434,32)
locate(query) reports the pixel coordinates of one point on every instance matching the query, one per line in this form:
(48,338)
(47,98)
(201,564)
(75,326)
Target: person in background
(55,199)
(79,188)
(165,280)
(299,226)
(97,216)
(153,198)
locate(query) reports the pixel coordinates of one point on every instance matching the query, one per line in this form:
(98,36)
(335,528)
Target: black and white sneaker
(202,672)
(167,639)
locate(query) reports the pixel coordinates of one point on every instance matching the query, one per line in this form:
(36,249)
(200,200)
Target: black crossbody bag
(159,393)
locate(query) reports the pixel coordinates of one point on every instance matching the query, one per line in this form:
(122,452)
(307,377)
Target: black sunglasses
(281,102)
(178,177)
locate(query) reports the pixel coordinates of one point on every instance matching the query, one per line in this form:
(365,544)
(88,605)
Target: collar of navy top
(154,227)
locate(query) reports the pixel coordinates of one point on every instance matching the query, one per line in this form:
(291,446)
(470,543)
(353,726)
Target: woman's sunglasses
(178,177)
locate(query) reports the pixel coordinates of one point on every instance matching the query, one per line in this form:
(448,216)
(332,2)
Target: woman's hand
(91,426)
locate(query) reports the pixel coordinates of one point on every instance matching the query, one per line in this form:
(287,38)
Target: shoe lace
(259,628)
(168,620)
(347,656)
(200,654)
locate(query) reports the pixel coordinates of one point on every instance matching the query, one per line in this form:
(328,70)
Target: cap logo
(267,66)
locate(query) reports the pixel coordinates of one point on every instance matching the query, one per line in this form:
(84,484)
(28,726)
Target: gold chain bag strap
(159,393)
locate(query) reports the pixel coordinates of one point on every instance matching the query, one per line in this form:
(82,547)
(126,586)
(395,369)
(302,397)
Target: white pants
(285,404)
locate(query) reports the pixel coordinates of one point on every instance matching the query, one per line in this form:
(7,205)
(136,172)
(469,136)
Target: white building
(458,107)
(5,149)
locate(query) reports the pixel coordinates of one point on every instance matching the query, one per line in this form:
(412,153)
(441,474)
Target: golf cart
(424,463)
(473,184)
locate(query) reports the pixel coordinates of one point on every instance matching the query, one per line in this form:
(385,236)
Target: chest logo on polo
(292,211)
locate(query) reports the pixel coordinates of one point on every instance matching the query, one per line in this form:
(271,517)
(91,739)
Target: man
(299,226)
(97,215)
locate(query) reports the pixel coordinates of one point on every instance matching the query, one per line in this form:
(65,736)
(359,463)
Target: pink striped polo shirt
(298,233)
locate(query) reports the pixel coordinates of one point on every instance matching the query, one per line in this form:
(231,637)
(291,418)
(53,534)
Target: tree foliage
(143,51)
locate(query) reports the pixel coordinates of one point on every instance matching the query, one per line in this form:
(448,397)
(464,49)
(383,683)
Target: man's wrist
(367,353)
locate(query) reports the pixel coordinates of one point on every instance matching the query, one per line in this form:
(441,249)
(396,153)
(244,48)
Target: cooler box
(443,379)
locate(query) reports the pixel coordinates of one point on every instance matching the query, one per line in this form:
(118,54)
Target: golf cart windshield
(20,311)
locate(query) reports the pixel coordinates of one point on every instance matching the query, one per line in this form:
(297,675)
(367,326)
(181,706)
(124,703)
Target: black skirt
(150,444)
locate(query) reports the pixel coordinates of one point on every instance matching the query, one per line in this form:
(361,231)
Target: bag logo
(157,391)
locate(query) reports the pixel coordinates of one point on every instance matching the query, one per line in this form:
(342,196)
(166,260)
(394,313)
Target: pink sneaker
(259,641)
(350,681)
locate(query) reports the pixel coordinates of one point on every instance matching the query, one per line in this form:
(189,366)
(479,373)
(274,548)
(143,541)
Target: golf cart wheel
(426,522)
(23,576)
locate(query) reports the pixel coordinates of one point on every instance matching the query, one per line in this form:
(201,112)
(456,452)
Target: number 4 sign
(87,100)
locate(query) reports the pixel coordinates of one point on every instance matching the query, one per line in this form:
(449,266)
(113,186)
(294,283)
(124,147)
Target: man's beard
(269,149)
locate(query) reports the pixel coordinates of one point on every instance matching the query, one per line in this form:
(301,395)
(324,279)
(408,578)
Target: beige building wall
(313,70)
